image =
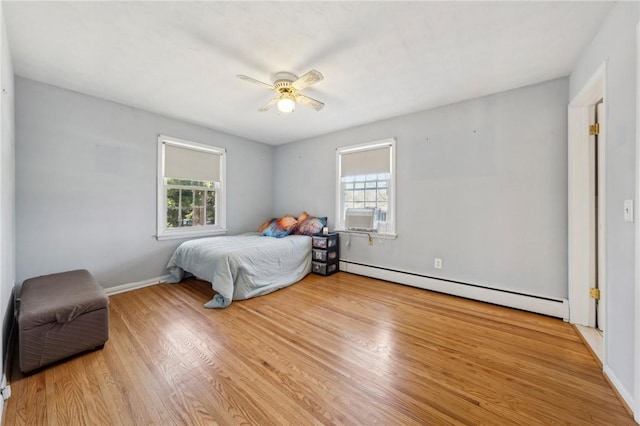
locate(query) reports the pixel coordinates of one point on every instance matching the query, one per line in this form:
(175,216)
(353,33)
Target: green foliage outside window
(190,203)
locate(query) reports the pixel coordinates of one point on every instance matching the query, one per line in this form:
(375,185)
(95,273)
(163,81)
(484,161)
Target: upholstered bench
(60,315)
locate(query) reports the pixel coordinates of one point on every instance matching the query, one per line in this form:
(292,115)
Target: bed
(242,266)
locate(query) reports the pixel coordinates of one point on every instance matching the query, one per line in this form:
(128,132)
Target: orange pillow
(264,225)
(280,227)
(303,216)
(287,222)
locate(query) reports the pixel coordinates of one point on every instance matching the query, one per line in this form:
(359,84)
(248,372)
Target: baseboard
(10,337)
(592,341)
(620,391)
(134,286)
(558,308)
(9,333)
(4,395)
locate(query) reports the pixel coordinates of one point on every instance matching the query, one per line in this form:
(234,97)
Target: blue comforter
(243,266)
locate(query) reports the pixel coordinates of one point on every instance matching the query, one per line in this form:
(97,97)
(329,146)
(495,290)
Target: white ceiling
(379,59)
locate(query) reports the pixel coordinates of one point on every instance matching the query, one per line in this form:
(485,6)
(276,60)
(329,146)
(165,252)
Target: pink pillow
(310,226)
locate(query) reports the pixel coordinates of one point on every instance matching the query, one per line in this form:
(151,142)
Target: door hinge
(594,129)
(594,293)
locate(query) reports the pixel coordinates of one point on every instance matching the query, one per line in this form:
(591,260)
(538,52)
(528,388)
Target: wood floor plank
(342,349)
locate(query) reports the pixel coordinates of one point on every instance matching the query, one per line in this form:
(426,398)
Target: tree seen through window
(190,203)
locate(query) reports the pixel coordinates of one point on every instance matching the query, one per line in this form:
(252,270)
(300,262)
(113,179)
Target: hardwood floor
(329,350)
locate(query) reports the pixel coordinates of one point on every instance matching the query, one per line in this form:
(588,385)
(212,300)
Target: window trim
(391,143)
(164,233)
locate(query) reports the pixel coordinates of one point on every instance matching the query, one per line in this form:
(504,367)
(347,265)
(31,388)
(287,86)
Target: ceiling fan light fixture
(288,86)
(286,105)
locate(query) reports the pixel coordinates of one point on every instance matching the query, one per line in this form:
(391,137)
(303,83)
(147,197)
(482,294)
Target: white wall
(636,407)
(615,44)
(86,184)
(7,187)
(481,184)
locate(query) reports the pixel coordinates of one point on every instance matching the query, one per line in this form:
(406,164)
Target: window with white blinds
(366,181)
(183,162)
(191,190)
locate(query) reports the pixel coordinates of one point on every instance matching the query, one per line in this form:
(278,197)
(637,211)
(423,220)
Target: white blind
(371,161)
(190,164)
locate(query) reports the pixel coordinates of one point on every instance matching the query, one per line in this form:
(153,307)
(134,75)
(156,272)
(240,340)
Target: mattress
(242,266)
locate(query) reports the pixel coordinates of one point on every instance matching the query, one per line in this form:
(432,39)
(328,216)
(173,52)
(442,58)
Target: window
(191,192)
(366,179)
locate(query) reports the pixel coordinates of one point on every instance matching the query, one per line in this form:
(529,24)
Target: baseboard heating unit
(558,308)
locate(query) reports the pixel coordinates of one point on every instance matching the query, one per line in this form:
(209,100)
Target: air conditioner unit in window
(364,219)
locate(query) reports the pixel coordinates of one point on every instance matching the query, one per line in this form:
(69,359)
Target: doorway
(596,169)
(586,207)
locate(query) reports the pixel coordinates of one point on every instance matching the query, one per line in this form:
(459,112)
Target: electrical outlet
(437,263)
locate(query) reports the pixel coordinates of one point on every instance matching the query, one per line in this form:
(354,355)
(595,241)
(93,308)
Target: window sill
(169,235)
(386,236)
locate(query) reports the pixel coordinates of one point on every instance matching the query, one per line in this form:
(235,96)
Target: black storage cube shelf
(325,254)
(324,268)
(328,241)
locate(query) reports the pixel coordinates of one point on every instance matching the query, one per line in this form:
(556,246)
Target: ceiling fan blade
(310,102)
(268,105)
(254,81)
(307,80)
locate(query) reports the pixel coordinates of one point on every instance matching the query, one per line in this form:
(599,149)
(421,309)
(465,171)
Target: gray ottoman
(60,315)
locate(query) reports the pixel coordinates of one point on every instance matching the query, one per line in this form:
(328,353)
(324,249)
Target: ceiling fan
(288,87)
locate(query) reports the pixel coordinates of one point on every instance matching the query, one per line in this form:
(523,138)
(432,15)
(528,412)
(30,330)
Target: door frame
(596,316)
(580,189)
(636,393)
